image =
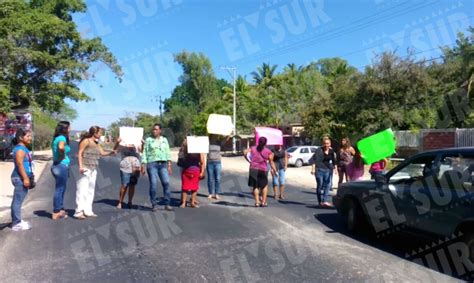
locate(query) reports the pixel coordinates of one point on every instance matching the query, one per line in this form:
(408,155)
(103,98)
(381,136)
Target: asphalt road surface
(222,241)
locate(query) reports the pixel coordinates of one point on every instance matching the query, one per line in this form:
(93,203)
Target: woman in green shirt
(60,168)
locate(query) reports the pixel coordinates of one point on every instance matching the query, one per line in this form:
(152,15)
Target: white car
(300,155)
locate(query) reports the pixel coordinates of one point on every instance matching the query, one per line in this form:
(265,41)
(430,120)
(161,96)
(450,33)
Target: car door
(408,193)
(451,193)
(305,154)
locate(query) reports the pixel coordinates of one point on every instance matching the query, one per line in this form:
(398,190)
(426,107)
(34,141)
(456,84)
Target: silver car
(300,155)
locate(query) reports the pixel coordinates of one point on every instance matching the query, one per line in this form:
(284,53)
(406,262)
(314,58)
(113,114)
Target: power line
(395,39)
(421,52)
(356,25)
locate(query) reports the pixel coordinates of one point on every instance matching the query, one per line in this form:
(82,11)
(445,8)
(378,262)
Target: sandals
(59,215)
(80,216)
(257,205)
(194,205)
(264,204)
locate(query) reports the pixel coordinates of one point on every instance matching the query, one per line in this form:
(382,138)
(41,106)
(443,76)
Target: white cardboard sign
(130,135)
(220,124)
(198,144)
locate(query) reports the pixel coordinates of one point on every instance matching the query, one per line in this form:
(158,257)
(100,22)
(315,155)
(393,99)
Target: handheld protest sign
(198,144)
(131,135)
(219,124)
(378,146)
(274,136)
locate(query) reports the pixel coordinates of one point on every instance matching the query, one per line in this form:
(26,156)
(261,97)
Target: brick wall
(435,140)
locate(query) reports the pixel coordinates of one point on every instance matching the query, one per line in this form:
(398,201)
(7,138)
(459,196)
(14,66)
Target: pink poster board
(274,136)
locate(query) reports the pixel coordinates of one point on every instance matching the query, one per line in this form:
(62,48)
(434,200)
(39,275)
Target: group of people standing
(347,162)
(153,157)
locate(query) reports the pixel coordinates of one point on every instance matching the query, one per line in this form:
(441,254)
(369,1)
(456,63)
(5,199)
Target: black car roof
(450,150)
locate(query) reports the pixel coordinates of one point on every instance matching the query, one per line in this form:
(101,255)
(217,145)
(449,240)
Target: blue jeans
(323,183)
(214,169)
(19,195)
(331,176)
(60,173)
(155,170)
(280,179)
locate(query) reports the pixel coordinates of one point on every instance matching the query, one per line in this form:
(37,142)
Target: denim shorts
(129,179)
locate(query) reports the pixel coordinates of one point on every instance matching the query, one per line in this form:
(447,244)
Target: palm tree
(264,74)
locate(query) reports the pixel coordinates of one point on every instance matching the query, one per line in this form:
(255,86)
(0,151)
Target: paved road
(221,241)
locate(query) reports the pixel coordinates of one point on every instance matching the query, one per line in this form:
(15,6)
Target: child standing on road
(280,158)
(129,171)
(22,177)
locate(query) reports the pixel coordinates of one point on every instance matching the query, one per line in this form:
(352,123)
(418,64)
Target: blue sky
(144,35)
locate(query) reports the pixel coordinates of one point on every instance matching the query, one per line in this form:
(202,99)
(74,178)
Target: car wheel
(298,163)
(353,216)
(468,239)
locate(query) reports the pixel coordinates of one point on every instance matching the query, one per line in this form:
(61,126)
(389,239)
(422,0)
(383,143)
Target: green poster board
(378,146)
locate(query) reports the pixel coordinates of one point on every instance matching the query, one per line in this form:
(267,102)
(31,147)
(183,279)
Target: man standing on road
(156,158)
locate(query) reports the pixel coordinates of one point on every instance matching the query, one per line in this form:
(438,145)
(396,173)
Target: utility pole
(157,98)
(161,110)
(232,74)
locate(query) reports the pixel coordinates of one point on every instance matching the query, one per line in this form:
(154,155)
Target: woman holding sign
(258,178)
(88,157)
(214,166)
(193,166)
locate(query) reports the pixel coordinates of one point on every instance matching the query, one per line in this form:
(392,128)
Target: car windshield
(414,169)
(292,149)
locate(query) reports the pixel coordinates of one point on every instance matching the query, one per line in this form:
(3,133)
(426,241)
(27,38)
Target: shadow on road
(47,214)
(399,244)
(316,206)
(42,213)
(4,225)
(233,204)
(291,202)
(113,202)
(240,195)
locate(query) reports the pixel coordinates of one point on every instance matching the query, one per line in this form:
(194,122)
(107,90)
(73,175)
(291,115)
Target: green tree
(43,57)
(197,81)
(264,75)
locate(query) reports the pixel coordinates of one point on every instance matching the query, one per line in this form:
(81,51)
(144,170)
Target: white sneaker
(22,226)
(26,224)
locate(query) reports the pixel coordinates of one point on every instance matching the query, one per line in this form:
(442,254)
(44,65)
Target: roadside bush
(43,135)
